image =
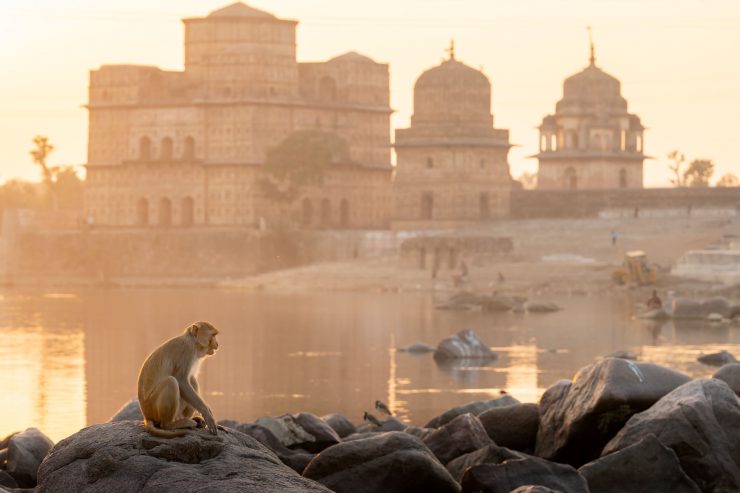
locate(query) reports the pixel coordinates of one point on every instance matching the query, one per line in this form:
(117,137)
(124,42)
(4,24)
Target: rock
(391,423)
(129,411)
(26,450)
(720,306)
(417,348)
(529,471)
(687,309)
(535,489)
(359,436)
(491,454)
(303,430)
(513,426)
(295,459)
(465,344)
(501,303)
(542,307)
(730,374)
(7,480)
(476,408)
(623,355)
(715,317)
(577,420)
(340,424)
(657,314)
(463,300)
(700,421)
(717,359)
(392,462)
(645,467)
(461,435)
(123,457)
(734,311)
(420,433)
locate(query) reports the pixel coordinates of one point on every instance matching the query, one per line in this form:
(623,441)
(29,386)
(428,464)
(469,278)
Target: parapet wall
(528,204)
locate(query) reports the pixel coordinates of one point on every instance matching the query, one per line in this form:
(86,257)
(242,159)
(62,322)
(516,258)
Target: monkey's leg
(166,400)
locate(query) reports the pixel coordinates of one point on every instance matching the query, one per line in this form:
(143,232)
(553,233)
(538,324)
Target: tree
(678,159)
(528,180)
(40,153)
(728,180)
(63,186)
(698,173)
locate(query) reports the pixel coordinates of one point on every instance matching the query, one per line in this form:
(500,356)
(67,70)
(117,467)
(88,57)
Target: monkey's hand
(210,421)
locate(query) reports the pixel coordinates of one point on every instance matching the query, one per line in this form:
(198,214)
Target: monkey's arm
(191,396)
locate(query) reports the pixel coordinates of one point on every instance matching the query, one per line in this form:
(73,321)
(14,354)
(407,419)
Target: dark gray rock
(491,454)
(535,489)
(418,432)
(340,424)
(513,426)
(645,467)
(717,359)
(463,345)
(303,430)
(730,374)
(26,450)
(295,459)
(392,462)
(717,305)
(122,457)
(391,423)
(577,420)
(530,471)
(476,408)
(501,303)
(683,308)
(129,411)
(417,348)
(461,435)
(623,355)
(700,421)
(7,480)
(656,314)
(542,307)
(359,436)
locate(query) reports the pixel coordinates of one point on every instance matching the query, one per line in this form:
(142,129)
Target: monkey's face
(205,336)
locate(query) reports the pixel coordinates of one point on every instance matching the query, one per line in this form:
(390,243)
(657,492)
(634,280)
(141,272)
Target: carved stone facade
(591,142)
(186,148)
(452,166)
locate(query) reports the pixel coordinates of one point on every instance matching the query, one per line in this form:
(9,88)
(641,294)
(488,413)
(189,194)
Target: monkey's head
(205,337)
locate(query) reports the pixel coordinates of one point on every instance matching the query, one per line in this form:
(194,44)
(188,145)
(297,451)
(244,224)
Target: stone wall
(527,204)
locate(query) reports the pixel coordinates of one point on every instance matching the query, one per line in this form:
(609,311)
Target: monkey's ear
(193,330)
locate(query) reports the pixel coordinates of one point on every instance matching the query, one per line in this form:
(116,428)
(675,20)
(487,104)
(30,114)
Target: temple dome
(238,10)
(592,86)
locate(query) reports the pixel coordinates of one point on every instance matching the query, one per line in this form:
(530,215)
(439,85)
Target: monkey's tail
(160,433)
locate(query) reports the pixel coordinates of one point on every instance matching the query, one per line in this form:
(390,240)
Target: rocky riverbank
(617,426)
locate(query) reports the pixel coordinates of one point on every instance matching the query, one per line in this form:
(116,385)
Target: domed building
(592,141)
(452,166)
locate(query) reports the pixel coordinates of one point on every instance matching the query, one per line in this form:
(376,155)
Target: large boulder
(644,467)
(7,480)
(730,374)
(513,426)
(129,411)
(534,489)
(700,421)
(123,457)
(340,424)
(476,408)
(719,306)
(461,435)
(529,471)
(717,359)
(302,430)
(492,454)
(683,308)
(393,462)
(26,450)
(463,345)
(578,419)
(417,348)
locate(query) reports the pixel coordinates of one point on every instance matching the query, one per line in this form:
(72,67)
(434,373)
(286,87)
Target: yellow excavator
(635,270)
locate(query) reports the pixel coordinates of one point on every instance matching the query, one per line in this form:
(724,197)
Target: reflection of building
(452,164)
(183,148)
(591,141)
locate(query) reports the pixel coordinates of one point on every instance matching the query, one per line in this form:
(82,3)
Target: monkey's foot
(180,424)
(199,422)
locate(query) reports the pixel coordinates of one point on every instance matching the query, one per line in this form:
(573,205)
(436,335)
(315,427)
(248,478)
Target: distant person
(654,302)
(615,235)
(688,209)
(637,212)
(463,270)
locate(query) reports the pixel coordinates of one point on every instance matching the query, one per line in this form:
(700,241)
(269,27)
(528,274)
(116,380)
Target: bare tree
(678,159)
(728,180)
(698,173)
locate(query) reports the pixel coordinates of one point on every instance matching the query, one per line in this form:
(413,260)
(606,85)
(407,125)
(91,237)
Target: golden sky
(677,60)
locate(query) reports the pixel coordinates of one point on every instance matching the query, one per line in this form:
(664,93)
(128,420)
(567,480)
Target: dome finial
(592,59)
(451,49)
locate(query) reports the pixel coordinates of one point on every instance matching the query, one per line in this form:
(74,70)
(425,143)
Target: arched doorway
(427,205)
(570,180)
(622,178)
(188,212)
(145,149)
(142,212)
(325,213)
(165,212)
(344,213)
(306,212)
(189,150)
(166,151)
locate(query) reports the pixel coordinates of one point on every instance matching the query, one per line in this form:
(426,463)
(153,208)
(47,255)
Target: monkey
(167,385)
(371,419)
(383,408)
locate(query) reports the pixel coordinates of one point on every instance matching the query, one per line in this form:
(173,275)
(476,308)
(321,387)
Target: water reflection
(72,358)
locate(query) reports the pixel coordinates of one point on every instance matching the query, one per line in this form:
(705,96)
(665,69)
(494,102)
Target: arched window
(570,180)
(571,139)
(622,178)
(142,212)
(165,212)
(306,212)
(484,205)
(327,89)
(189,150)
(165,153)
(344,213)
(325,213)
(145,149)
(188,212)
(427,205)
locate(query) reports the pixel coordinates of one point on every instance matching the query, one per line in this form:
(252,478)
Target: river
(70,358)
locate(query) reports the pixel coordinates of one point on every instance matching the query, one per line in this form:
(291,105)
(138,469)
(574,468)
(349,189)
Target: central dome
(452,92)
(590,87)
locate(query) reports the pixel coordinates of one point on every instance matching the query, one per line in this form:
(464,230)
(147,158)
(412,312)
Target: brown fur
(168,389)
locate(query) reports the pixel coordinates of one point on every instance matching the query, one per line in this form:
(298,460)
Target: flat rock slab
(122,457)
(513,426)
(476,408)
(529,471)
(460,436)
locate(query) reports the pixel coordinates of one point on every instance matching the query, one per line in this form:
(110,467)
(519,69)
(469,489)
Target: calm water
(71,358)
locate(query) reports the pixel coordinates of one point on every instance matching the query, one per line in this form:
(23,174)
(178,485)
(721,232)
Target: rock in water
(577,419)
(461,435)
(720,306)
(529,471)
(730,374)
(476,408)
(464,345)
(122,457)
(129,411)
(717,359)
(26,450)
(392,462)
(657,314)
(514,427)
(417,348)
(687,309)
(700,421)
(542,307)
(645,467)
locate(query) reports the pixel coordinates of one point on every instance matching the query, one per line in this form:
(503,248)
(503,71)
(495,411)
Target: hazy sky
(677,60)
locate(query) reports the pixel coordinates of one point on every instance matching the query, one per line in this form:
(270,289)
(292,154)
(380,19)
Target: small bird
(371,419)
(383,408)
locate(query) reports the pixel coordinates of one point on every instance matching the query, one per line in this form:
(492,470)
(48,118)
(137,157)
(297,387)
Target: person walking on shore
(615,235)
